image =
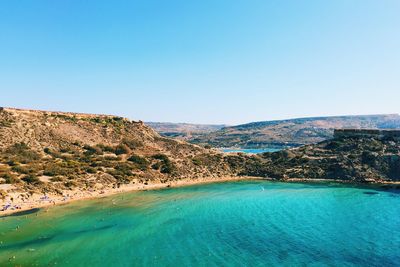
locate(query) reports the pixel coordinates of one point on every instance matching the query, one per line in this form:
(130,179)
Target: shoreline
(37,201)
(320,180)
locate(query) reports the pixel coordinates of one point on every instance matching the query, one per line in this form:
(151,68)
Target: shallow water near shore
(251,150)
(246,223)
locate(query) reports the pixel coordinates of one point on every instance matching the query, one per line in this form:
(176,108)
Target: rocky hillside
(184,131)
(356,158)
(55,151)
(293,132)
(51,152)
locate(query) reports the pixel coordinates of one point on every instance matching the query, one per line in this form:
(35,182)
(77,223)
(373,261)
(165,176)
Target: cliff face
(54,151)
(359,156)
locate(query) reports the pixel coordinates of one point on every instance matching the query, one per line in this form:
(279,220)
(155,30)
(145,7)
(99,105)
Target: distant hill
(292,132)
(184,131)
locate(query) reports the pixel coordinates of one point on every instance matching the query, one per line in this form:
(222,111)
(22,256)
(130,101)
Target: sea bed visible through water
(253,223)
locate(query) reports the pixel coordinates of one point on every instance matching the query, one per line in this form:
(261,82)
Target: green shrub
(61,169)
(10,178)
(112,158)
(70,184)
(235,161)
(31,179)
(57,179)
(97,120)
(28,169)
(106,164)
(124,168)
(90,170)
(118,119)
(12,163)
(22,153)
(6,123)
(207,160)
(161,157)
(106,148)
(50,172)
(122,172)
(168,168)
(196,161)
(131,143)
(139,161)
(165,165)
(122,149)
(90,150)
(65,150)
(156,166)
(54,154)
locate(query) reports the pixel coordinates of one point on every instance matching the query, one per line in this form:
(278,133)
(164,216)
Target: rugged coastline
(51,157)
(50,153)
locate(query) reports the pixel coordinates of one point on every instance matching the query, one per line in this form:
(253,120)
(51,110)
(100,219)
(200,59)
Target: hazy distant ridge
(292,132)
(184,131)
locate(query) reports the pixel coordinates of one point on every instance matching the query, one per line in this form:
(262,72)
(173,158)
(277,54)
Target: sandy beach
(16,203)
(14,200)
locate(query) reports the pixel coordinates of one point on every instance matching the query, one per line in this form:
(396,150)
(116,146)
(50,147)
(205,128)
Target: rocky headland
(353,155)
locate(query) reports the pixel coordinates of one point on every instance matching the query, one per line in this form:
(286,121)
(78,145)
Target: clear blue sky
(205,61)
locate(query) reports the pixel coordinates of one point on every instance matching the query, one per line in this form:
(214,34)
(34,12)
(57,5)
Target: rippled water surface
(251,151)
(249,223)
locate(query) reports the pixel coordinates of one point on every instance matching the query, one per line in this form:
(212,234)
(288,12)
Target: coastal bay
(263,222)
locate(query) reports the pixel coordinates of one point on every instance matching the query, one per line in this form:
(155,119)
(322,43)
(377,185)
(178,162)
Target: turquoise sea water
(248,223)
(251,151)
